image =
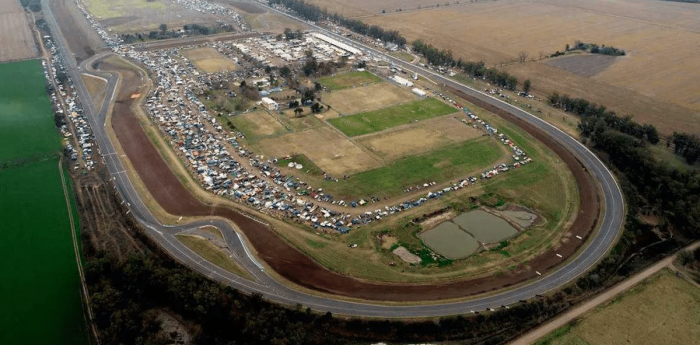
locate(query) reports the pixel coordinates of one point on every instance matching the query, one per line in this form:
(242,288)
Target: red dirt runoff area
(300,269)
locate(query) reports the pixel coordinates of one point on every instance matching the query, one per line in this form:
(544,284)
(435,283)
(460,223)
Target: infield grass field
(379,120)
(440,165)
(350,79)
(213,254)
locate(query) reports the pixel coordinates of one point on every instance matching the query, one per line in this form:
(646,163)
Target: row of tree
(315,14)
(444,58)
(597,118)
(596,49)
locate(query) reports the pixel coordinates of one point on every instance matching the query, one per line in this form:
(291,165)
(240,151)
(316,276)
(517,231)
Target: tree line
(596,49)
(315,14)
(597,118)
(444,58)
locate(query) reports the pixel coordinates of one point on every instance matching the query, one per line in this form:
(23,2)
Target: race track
(610,197)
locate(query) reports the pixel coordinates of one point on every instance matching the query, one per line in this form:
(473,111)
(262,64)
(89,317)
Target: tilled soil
(300,269)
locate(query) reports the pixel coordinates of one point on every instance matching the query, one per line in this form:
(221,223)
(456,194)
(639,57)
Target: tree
(522,56)
(298,112)
(526,86)
(163,27)
(318,86)
(316,108)
(285,72)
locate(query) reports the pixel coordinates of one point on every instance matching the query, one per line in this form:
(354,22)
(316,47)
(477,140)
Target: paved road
(273,290)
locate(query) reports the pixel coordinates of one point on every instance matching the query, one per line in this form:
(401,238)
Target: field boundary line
(78,261)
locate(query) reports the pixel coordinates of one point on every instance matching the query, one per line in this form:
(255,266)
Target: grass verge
(213,254)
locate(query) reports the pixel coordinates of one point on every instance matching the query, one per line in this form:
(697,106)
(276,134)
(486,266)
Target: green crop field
(40,289)
(379,120)
(26,120)
(350,79)
(441,165)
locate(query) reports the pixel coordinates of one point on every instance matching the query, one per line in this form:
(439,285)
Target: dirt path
(571,315)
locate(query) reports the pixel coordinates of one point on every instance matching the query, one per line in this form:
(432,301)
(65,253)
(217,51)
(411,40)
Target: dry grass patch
(258,124)
(419,138)
(327,148)
(660,66)
(96,89)
(217,256)
(368,98)
(664,309)
(269,22)
(209,60)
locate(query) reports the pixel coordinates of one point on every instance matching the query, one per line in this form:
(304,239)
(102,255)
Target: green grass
(379,120)
(308,166)
(350,79)
(118,8)
(443,164)
(40,289)
(213,254)
(673,160)
(27,130)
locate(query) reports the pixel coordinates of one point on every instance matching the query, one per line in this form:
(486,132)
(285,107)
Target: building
(402,81)
(337,43)
(269,103)
(418,92)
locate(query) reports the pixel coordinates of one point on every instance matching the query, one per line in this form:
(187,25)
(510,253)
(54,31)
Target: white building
(269,103)
(402,81)
(419,92)
(337,43)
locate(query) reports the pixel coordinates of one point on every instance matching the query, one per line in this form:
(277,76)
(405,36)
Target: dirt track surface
(293,265)
(78,32)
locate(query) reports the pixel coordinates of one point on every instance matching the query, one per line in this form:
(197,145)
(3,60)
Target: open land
(419,138)
(361,99)
(653,33)
(378,120)
(96,88)
(337,155)
(258,124)
(209,60)
(207,250)
(271,22)
(124,16)
(83,40)
(664,309)
(15,35)
(36,250)
(348,80)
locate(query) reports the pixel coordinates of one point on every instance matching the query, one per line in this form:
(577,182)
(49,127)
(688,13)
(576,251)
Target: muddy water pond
(460,236)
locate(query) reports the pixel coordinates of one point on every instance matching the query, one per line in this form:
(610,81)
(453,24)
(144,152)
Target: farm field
(270,22)
(653,33)
(43,287)
(389,117)
(209,60)
(349,79)
(16,38)
(419,138)
(26,118)
(372,97)
(139,15)
(664,309)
